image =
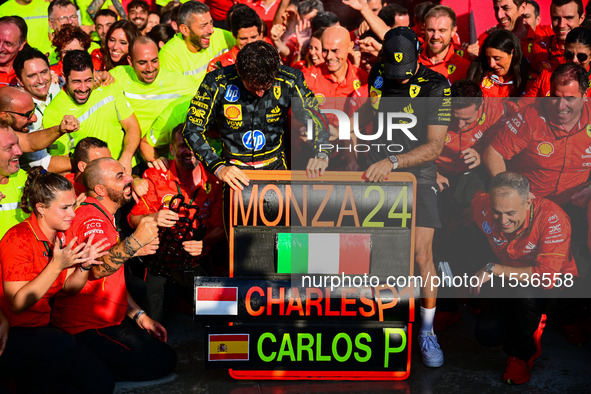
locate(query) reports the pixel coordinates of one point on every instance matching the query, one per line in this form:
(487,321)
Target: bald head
(336,45)
(94,171)
(15,103)
(143,57)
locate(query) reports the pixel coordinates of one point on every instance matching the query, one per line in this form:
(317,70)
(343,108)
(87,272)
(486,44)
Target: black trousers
(49,360)
(130,352)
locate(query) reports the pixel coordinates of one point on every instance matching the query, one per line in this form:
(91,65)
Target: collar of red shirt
(174,175)
(92,200)
(34,225)
(581,124)
(447,58)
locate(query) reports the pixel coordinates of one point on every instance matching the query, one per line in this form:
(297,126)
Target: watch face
(393,159)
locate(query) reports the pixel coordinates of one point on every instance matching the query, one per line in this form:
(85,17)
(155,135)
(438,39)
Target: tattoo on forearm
(94,7)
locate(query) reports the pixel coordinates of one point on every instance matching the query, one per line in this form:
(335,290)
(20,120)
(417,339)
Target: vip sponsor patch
(545,149)
(557,228)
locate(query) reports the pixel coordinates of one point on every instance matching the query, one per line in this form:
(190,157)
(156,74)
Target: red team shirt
(547,55)
(541,86)
(555,162)
(543,242)
(453,67)
(324,84)
(24,253)
(102,302)
(450,161)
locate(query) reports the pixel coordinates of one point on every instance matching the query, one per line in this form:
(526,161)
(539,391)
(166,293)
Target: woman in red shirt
(500,69)
(36,264)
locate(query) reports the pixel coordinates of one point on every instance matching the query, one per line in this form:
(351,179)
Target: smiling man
(548,52)
(197,42)
(439,56)
(529,236)
(103,112)
(548,141)
(12,179)
(13,37)
(137,11)
(150,88)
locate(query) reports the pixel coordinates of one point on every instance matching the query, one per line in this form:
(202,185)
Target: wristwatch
(394,160)
(489,268)
(322,155)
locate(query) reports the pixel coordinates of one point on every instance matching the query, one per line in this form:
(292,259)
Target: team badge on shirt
(447,139)
(166,200)
(356,84)
(398,56)
(232,93)
(414,90)
(277,91)
(451,68)
(233,111)
(589,131)
(545,149)
(482,119)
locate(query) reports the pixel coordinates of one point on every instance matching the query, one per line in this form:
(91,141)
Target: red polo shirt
(324,84)
(541,86)
(267,14)
(542,242)
(450,161)
(102,302)
(452,67)
(8,78)
(78,187)
(527,44)
(547,55)
(24,252)
(555,161)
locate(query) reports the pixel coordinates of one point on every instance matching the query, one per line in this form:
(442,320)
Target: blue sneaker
(432,354)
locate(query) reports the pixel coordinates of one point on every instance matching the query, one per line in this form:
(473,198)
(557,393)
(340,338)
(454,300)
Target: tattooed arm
(97,4)
(143,241)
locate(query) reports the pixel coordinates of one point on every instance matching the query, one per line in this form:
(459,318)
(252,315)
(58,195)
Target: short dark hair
(28,53)
(560,3)
(178,130)
(569,72)
(138,4)
(535,5)
(76,61)
(58,3)
(161,32)
(258,63)
(82,148)
(323,19)
(170,12)
(421,9)
(389,12)
(466,93)
(307,6)
(511,180)
(106,12)
(244,17)
(42,187)
(190,8)
(19,22)
(579,35)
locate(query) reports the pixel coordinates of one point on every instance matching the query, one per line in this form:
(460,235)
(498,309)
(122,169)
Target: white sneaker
(432,354)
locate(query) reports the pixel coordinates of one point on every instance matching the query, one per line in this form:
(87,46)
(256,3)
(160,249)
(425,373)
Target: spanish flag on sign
(228,347)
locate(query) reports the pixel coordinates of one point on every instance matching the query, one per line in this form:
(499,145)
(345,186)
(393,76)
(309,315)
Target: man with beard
(150,88)
(190,51)
(186,177)
(103,111)
(97,315)
(439,55)
(18,109)
(137,12)
(103,21)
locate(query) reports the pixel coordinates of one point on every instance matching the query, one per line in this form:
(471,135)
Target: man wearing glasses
(18,110)
(60,13)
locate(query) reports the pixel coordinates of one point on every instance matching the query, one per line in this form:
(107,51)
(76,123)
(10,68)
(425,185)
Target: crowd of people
(123,122)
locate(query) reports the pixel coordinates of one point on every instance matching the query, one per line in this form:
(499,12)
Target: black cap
(401,53)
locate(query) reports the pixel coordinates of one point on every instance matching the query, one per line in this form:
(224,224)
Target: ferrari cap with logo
(401,53)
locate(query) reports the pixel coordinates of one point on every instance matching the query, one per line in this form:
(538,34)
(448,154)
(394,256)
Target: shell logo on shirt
(166,200)
(374,97)
(447,138)
(233,112)
(320,98)
(486,83)
(545,149)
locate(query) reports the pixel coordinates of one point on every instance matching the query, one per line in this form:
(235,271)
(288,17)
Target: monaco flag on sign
(216,301)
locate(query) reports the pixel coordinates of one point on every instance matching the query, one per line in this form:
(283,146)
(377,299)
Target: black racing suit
(251,128)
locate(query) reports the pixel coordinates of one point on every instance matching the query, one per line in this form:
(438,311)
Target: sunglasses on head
(28,114)
(581,57)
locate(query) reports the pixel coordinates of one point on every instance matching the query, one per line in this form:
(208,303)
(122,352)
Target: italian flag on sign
(323,253)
